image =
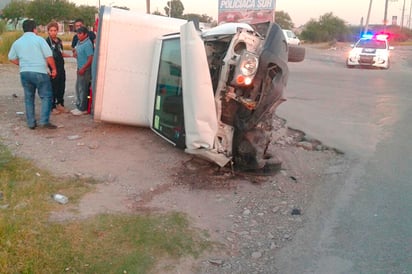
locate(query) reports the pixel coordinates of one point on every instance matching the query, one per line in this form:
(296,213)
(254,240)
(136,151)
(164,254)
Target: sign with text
(247,11)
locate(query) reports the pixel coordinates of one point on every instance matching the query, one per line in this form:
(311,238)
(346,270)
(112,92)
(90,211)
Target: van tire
(296,54)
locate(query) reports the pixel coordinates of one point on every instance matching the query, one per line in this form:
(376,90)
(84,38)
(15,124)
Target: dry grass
(7,39)
(31,243)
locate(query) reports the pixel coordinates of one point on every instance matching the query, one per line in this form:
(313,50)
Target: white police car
(371,51)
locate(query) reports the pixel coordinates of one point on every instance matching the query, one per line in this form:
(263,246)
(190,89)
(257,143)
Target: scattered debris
(93,146)
(217,262)
(4,206)
(73,137)
(60,198)
(293,178)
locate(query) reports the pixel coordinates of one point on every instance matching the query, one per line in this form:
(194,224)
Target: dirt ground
(140,172)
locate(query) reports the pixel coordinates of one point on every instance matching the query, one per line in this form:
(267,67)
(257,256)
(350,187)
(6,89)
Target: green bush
(2,27)
(7,39)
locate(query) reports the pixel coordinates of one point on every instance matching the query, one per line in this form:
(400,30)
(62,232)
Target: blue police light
(367,36)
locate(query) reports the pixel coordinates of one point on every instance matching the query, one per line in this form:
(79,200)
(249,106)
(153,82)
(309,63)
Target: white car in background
(291,37)
(371,51)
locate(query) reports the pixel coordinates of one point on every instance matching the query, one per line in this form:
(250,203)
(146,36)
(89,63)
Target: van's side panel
(125,55)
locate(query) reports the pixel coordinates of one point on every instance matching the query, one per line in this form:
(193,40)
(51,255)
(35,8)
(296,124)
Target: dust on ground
(140,172)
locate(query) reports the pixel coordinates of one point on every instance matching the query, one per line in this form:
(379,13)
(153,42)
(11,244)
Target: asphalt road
(361,220)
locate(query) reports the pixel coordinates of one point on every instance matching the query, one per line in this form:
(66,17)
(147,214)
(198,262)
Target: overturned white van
(212,93)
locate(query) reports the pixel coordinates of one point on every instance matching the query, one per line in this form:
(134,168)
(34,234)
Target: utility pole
(403,14)
(367,18)
(385,17)
(410,11)
(148,6)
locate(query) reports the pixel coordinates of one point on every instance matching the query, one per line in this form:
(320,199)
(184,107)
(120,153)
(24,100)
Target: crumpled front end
(249,75)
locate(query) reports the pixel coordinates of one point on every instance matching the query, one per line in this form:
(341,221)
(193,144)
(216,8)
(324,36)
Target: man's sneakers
(78,112)
(62,109)
(59,109)
(48,126)
(45,126)
(33,126)
(55,111)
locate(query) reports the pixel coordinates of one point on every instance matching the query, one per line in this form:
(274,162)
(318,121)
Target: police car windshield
(371,43)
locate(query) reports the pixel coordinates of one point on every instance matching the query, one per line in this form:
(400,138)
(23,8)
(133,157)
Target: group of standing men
(41,64)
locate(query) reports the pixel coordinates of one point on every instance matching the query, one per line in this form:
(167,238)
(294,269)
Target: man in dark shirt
(59,82)
(77,24)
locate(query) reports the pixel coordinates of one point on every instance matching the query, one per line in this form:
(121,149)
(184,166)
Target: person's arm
(52,65)
(15,61)
(61,48)
(74,43)
(92,37)
(13,56)
(87,65)
(65,55)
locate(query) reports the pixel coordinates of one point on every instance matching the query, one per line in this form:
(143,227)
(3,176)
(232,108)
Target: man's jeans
(82,90)
(40,81)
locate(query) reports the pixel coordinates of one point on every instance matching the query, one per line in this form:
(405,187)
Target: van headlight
(248,63)
(246,69)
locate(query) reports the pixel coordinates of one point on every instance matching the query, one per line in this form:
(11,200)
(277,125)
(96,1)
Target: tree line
(43,11)
(330,28)
(327,28)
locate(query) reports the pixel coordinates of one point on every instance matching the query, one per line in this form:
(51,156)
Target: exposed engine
(249,74)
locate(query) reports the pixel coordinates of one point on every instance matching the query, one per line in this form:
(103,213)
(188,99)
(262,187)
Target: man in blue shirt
(84,55)
(32,54)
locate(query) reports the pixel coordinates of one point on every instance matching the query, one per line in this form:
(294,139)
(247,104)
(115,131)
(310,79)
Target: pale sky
(301,11)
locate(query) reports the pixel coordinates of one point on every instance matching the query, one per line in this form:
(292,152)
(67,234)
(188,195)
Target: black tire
(349,66)
(296,54)
(389,65)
